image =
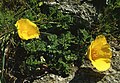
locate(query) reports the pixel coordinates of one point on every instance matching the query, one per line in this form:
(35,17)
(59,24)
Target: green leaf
(85,34)
(52,38)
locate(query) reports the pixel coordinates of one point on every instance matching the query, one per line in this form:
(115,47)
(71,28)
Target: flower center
(94,54)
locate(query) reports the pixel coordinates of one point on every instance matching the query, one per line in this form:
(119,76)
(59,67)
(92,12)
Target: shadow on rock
(86,75)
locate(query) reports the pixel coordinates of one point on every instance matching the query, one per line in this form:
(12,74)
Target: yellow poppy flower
(99,53)
(27,29)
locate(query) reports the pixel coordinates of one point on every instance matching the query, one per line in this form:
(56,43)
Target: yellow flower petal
(99,52)
(89,53)
(101,64)
(105,51)
(27,29)
(99,42)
